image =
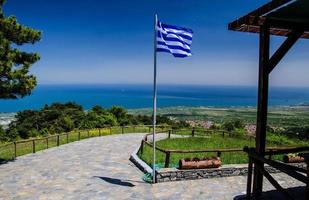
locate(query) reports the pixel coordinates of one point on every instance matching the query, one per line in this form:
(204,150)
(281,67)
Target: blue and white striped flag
(173,39)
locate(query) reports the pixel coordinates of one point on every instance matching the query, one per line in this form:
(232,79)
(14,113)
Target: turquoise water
(140,96)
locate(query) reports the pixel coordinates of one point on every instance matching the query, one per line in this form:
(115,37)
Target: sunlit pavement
(99,168)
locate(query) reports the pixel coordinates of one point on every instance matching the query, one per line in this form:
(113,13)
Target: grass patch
(215,141)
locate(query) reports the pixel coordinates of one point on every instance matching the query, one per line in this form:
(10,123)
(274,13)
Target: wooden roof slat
(280,26)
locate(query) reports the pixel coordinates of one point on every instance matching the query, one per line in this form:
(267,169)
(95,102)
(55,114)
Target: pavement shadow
(3,161)
(115,181)
(297,193)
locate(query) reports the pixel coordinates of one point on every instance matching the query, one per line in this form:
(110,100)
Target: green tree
(3,136)
(15,81)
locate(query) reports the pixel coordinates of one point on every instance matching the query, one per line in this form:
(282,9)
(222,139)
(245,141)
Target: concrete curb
(139,163)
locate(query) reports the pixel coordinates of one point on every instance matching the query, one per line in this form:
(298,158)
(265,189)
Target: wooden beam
(262,106)
(284,48)
(285,194)
(258,12)
(276,151)
(285,168)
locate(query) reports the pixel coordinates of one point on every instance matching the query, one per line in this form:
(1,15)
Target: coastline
(201,112)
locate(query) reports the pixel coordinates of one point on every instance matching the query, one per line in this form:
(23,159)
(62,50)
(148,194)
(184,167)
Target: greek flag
(173,39)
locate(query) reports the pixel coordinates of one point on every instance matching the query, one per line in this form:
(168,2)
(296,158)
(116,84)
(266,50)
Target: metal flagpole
(154,100)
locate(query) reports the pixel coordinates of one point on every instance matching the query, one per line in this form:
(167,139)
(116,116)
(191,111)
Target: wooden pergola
(288,18)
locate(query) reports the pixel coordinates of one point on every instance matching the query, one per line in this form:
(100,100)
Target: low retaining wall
(173,174)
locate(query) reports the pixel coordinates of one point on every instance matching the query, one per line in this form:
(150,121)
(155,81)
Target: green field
(277,116)
(214,141)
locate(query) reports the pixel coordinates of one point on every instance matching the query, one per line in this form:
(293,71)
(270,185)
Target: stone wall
(172,174)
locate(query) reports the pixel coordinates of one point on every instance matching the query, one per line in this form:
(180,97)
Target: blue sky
(99,41)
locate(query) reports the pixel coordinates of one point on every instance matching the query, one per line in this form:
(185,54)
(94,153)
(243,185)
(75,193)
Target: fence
(270,150)
(14,149)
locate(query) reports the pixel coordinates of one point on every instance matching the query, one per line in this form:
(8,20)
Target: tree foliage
(57,118)
(15,80)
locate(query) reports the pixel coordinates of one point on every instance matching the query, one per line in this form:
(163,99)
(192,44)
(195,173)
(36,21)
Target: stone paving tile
(98,168)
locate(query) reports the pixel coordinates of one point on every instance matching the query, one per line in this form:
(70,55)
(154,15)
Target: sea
(133,96)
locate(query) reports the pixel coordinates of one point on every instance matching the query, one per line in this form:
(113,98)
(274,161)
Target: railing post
(67,137)
(249,178)
(15,150)
(306,157)
(142,147)
(169,134)
(193,132)
(78,135)
(46,142)
(270,154)
(219,154)
(58,140)
(167,159)
(223,134)
(33,146)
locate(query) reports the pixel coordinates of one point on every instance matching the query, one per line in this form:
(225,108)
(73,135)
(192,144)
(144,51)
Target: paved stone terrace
(98,168)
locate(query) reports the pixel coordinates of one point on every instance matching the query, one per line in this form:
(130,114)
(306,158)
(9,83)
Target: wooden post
(262,108)
(15,150)
(67,137)
(219,154)
(46,142)
(110,130)
(307,185)
(33,146)
(78,135)
(58,142)
(169,134)
(88,133)
(149,129)
(142,147)
(193,132)
(99,132)
(223,134)
(306,156)
(134,129)
(270,154)
(122,131)
(167,159)
(249,178)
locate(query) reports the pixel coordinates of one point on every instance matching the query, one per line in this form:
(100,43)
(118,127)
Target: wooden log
(295,159)
(196,163)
